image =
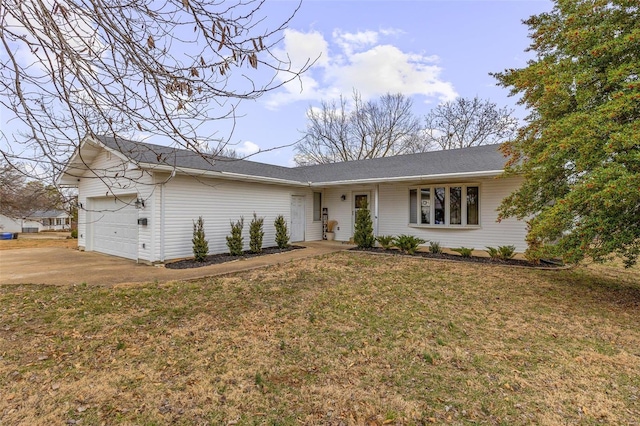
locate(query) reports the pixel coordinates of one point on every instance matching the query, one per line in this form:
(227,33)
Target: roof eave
(476,174)
(220,174)
(73,170)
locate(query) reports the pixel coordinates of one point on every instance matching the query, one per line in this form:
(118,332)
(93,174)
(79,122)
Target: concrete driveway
(60,266)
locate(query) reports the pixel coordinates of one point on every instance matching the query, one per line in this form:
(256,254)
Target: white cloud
(359,61)
(247,148)
(354,41)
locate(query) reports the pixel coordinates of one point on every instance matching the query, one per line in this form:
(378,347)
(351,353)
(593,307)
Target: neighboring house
(11,224)
(52,220)
(139,200)
(43,220)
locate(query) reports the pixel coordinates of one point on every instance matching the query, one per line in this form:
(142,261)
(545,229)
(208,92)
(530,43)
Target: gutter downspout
(162,222)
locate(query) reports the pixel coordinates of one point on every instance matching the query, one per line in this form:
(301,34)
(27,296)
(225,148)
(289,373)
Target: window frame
(447,206)
(313,213)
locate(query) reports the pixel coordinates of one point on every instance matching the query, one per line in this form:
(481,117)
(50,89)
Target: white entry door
(297,218)
(113,226)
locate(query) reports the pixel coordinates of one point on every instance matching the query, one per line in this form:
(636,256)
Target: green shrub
(408,243)
(256,233)
(74,234)
(506,252)
(363,232)
(464,252)
(502,252)
(493,253)
(200,244)
(235,241)
(434,247)
(535,247)
(282,233)
(386,241)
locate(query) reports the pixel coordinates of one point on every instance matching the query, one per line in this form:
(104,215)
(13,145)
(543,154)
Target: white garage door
(115,226)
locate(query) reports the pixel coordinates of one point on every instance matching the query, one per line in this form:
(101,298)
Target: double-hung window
(444,205)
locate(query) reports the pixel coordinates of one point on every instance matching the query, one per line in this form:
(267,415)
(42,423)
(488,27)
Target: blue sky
(429,50)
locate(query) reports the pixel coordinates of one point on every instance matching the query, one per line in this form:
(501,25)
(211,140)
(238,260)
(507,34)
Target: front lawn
(348,338)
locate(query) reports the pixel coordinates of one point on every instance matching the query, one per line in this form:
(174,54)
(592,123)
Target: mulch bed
(214,259)
(473,259)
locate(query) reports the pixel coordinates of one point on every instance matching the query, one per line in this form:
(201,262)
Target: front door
(297,218)
(360,199)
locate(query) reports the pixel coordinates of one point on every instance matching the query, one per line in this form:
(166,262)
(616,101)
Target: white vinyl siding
(394,217)
(219,202)
(128,183)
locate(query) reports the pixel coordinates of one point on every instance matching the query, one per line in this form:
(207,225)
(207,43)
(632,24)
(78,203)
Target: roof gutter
(486,173)
(221,174)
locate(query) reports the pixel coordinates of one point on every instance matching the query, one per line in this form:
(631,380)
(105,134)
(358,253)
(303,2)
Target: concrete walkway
(59,266)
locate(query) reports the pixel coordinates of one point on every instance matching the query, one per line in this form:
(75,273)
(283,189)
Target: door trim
(303,215)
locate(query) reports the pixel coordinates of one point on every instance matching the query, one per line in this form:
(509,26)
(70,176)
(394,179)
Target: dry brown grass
(350,338)
(37,243)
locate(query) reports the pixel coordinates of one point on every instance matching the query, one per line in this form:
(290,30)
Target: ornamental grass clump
(282,233)
(408,243)
(256,233)
(386,241)
(200,244)
(502,252)
(464,251)
(434,247)
(235,241)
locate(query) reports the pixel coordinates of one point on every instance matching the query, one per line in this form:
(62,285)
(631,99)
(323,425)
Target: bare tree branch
(71,68)
(467,122)
(339,131)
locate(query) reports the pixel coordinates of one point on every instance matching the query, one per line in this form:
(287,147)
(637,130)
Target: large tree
(579,154)
(135,68)
(343,131)
(20,197)
(466,122)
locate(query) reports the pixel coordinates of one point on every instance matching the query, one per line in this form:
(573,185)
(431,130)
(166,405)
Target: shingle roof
(466,160)
(142,152)
(44,214)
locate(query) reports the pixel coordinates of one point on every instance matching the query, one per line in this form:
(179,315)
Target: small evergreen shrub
(363,232)
(200,244)
(434,247)
(502,252)
(506,252)
(386,241)
(74,234)
(282,233)
(464,251)
(256,232)
(493,253)
(235,241)
(408,243)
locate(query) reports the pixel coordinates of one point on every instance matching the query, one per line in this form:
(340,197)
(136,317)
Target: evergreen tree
(256,233)
(363,234)
(200,244)
(235,241)
(579,152)
(282,233)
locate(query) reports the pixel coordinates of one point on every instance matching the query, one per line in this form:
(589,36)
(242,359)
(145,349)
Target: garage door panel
(115,226)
